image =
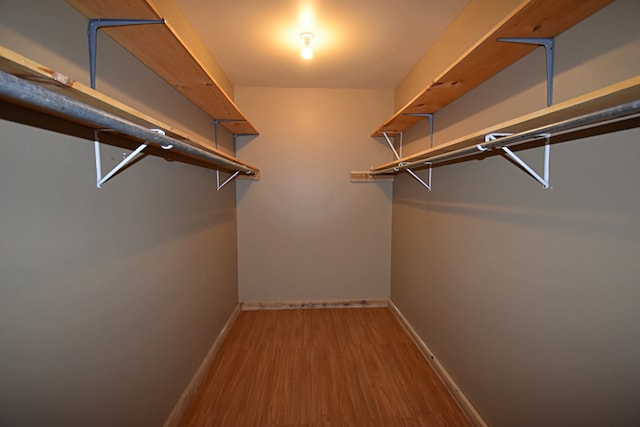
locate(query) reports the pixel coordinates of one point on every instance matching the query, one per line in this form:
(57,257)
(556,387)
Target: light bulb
(307,52)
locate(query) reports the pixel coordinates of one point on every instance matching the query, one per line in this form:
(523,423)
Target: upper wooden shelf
(609,97)
(531,19)
(26,69)
(170,54)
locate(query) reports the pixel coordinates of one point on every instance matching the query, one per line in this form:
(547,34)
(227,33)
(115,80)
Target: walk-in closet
(319,213)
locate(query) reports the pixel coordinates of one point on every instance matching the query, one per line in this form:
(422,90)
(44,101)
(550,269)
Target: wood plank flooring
(323,367)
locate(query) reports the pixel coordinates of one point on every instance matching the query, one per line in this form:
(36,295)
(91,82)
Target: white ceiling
(363,44)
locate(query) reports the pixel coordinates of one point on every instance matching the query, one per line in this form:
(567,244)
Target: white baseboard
(446,379)
(198,377)
(290,305)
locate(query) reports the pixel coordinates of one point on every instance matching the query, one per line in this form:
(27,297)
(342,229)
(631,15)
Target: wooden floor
(321,367)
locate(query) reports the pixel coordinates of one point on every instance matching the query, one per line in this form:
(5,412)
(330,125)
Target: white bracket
(544,180)
(399,155)
(420,180)
(226,181)
(413,174)
(100,180)
(220,186)
(549,44)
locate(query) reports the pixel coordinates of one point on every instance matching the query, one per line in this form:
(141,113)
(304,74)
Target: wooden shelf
(611,96)
(179,57)
(19,66)
(531,19)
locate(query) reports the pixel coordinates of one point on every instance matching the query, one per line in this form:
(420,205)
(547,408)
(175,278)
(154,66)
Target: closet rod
(586,121)
(33,95)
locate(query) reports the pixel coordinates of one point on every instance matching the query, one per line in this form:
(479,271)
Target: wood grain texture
(531,19)
(199,376)
(610,96)
(325,367)
(435,364)
(172,52)
(15,64)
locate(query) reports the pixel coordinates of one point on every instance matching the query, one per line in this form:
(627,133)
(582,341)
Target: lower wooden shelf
(34,86)
(615,102)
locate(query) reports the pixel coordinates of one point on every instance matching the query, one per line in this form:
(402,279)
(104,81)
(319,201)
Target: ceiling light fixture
(306,52)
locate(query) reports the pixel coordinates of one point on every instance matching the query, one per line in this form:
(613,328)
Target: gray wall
(110,298)
(530,297)
(305,232)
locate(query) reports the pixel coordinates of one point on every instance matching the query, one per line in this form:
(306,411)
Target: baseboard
(198,377)
(446,379)
(290,305)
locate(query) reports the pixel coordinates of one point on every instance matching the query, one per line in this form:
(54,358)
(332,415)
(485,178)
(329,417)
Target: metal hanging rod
(27,93)
(597,118)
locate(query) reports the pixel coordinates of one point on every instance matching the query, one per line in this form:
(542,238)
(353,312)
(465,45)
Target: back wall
(305,232)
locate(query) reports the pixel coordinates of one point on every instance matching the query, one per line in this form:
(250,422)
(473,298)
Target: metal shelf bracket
(544,180)
(430,117)
(549,45)
(92,31)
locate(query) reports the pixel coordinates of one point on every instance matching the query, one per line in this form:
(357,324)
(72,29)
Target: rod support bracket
(100,180)
(544,179)
(427,184)
(236,174)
